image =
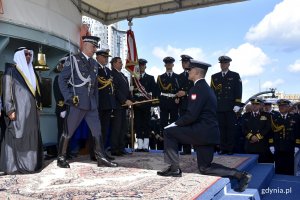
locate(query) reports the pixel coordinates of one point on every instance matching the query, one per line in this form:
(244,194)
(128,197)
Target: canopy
(110,11)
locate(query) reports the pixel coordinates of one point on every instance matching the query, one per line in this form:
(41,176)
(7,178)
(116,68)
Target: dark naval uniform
(228,90)
(286,138)
(142,113)
(273,114)
(81,81)
(107,101)
(199,127)
(258,124)
(59,100)
(168,86)
(60,107)
(185,85)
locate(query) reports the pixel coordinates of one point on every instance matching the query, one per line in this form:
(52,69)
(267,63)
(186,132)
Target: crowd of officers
(272,135)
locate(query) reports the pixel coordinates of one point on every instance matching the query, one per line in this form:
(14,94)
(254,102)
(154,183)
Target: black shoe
(145,150)
(243,182)
(169,172)
(230,153)
(62,162)
(107,163)
(139,150)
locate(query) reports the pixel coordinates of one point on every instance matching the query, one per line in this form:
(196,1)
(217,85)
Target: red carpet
(135,179)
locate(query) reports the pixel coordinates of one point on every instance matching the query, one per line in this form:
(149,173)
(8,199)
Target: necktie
(91,64)
(169,74)
(223,74)
(104,71)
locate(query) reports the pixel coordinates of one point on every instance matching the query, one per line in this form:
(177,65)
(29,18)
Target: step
(282,187)
(216,191)
(246,195)
(228,193)
(262,174)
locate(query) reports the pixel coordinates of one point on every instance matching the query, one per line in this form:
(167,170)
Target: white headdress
(27,69)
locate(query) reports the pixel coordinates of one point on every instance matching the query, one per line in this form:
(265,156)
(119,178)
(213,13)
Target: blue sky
(261,36)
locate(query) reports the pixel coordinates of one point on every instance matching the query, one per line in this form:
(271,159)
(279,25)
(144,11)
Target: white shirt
(85,56)
(169,73)
(197,80)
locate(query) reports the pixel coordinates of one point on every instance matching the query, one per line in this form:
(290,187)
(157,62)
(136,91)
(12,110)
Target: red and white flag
(1,7)
(132,63)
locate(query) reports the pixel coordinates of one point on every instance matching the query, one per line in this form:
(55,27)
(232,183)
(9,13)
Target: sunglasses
(28,54)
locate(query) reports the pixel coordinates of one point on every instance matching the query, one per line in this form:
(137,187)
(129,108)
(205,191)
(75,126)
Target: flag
(132,64)
(1,7)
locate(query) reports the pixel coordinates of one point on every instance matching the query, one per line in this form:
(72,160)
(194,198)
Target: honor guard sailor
(185,86)
(144,90)
(168,86)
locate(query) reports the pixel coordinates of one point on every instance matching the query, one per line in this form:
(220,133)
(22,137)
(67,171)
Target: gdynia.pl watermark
(277,190)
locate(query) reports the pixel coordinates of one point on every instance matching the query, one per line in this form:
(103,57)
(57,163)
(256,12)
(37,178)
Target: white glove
(63,114)
(131,88)
(170,125)
(272,149)
(296,149)
(236,109)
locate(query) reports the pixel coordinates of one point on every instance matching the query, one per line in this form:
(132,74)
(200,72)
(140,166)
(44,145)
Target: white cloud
(155,71)
(272,84)
(248,60)
(280,27)
(295,67)
(161,53)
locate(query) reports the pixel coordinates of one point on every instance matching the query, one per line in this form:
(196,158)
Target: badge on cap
(193,96)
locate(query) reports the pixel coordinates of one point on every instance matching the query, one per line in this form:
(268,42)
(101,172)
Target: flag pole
(131,111)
